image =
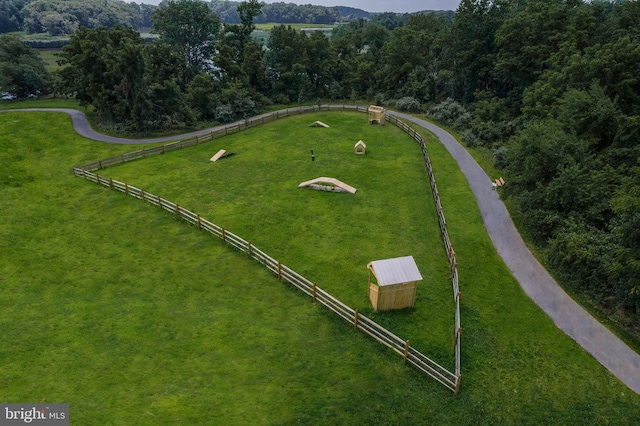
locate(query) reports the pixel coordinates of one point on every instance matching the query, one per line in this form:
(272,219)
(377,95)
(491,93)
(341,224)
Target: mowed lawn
(327,237)
(135,317)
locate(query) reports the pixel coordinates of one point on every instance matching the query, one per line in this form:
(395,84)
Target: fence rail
(216,133)
(451,254)
(359,321)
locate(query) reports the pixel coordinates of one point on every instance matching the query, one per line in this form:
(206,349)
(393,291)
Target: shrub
(379,98)
(452,113)
(335,91)
(281,99)
(500,157)
(224,113)
(469,138)
(408,104)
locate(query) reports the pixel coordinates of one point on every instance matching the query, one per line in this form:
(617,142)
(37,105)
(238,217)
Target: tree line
(64,17)
(550,87)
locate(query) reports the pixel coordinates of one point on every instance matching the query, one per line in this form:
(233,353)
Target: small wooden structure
(220,154)
(376,114)
(328,184)
(397,282)
(360,148)
(318,124)
(498,183)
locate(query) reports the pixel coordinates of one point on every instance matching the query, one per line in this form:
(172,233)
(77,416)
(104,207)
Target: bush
(224,113)
(469,138)
(452,113)
(379,99)
(500,157)
(335,91)
(408,104)
(281,99)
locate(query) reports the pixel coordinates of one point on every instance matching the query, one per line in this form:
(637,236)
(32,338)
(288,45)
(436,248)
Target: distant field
(261,35)
(134,317)
(49,54)
(50,59)
(269,26)
(263,31)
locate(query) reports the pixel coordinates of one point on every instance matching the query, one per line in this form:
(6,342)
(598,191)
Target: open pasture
(327,237)
(134,317)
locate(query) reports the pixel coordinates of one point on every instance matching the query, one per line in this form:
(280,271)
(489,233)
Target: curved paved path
(570,317)
(82,126)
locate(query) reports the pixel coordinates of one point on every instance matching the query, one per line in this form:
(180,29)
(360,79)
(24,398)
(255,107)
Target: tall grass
(134,317)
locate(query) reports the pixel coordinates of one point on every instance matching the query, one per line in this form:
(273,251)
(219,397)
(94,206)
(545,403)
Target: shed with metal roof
(395,283)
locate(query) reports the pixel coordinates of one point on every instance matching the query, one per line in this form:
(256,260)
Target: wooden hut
(376,114)
(360,148)
(397,281)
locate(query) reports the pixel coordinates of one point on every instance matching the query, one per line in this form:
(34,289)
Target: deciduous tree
(190,27)
(22,71)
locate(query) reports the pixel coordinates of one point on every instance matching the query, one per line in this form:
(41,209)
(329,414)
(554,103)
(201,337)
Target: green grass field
(50,58)
(269,26)
(135,317)
(263,31)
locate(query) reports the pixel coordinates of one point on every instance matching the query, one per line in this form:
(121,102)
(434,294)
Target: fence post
(406,349)
(159,201)
(224,235)
(249,248)
(314,293)
(197,141)
(199,222)
(455,392)
(142,194)
(279,270)
(126,187)
(457,338)
(177,209)
(355,320)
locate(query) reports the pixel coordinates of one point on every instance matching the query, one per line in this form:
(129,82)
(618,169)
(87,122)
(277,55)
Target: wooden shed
(397,280)
(376,114)
(360,148)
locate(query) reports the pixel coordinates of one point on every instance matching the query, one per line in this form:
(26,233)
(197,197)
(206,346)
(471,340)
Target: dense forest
(550,87)
(63,17)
